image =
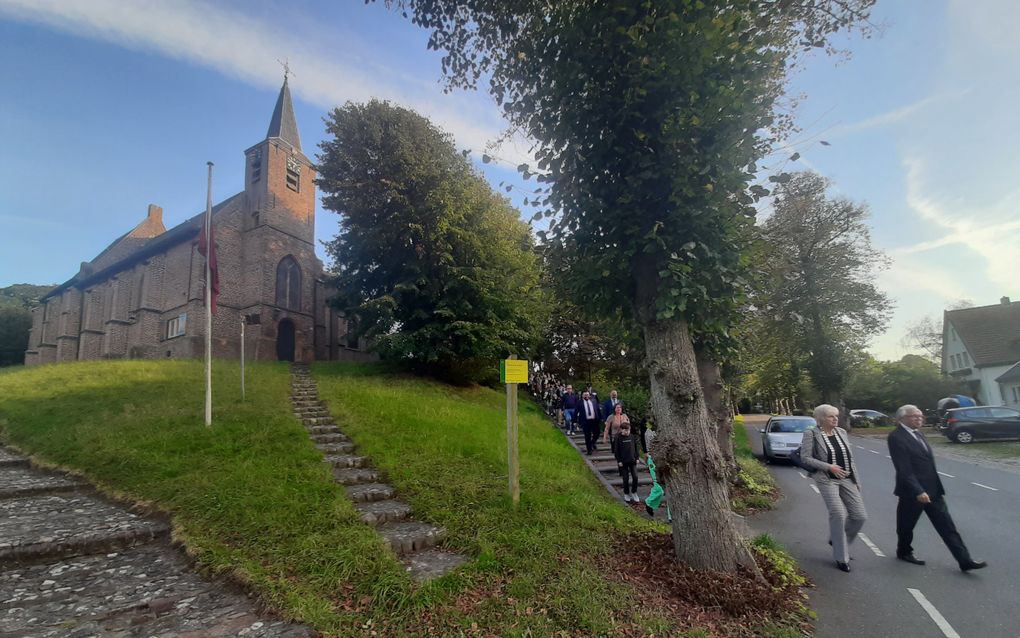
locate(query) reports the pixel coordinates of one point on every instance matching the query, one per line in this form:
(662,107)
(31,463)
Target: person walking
(626,453)
(614,422)
(919,489)
(569,404)
(826,449)
(610,404)
(590,416)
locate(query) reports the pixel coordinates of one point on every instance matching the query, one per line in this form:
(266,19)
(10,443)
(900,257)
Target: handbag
(796,459)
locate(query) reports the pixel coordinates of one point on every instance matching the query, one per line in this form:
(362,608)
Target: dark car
(869,418)
(981,423)
(782,435)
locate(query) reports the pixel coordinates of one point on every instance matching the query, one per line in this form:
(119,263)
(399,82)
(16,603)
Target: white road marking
(887,456)
(803,474)
(873,547)
(947,475)
(815,488)
(859,447)
(939,619)
(874,451)
(994,489)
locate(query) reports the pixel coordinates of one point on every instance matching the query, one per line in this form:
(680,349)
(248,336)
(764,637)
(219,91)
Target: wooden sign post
(511,372)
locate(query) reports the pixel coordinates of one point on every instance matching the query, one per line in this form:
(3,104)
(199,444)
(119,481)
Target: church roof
(128,253)
(284,125)
(129,242)
(990,333)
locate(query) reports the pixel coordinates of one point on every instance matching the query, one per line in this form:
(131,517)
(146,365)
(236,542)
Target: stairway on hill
(414,542)
(73,564)
(603,464)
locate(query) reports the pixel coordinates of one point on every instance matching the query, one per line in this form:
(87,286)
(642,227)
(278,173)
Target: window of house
(351,338)
(288,284)
(952,333)
(1016,393)
(256,166)
(966,360)
(175,327)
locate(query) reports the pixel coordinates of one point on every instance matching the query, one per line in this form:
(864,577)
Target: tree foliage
(886,385)
(647,119)
(15,324)
(439,270)
(820,297)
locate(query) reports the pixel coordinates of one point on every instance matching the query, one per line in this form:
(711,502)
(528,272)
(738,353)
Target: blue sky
(106,107)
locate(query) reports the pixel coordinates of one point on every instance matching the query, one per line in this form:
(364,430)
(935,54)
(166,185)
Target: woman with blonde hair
(826,449)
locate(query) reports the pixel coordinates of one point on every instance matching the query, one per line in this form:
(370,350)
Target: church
(143,296)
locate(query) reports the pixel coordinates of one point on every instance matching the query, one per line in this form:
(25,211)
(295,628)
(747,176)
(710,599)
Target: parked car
(869,418)
(981,423)
(782,435)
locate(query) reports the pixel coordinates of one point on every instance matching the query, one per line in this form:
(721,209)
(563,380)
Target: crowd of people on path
(826,453)
(607,422)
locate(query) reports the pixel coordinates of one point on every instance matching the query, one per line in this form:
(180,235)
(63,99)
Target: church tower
(280,268)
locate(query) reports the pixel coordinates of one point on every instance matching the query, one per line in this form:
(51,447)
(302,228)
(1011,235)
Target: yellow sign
(513,371)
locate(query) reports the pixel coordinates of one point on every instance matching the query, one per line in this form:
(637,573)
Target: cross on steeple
(285,63)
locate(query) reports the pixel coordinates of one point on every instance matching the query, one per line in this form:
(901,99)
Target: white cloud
(990,232)
(248,49)
(896,115)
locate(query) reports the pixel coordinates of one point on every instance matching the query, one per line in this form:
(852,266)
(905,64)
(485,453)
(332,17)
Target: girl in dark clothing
(626,453)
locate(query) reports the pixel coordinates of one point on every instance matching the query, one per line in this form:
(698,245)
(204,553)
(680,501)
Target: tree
(886,385)
(925,334)
(25,296)
(646,118)
(439,270)
(821,270)
(14,326)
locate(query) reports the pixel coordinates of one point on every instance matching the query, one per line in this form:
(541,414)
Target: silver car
(782,435)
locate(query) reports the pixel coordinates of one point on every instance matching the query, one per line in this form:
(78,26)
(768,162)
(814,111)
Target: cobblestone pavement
(73,565)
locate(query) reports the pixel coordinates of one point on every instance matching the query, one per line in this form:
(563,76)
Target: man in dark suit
(590,417)
(610,404)
(919,489)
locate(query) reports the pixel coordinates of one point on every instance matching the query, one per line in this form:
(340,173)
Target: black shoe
(910,558)
(843,567)
(973,564)
(651,512)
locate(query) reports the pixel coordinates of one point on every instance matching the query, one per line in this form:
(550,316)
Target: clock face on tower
(293,164)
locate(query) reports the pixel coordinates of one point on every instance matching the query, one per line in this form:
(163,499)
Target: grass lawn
(251,497)
(756,487)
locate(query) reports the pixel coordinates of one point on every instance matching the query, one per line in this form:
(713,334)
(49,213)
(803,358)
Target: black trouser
(629,473)
(591,433)
(908,511)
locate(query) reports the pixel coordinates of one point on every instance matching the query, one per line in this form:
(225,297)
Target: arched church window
(288,284)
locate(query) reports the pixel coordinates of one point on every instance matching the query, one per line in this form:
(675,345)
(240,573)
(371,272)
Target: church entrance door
(285,340)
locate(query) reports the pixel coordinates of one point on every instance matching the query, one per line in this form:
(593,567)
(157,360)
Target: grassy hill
(251,495)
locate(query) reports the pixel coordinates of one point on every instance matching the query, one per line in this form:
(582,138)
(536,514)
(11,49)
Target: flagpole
(208,300)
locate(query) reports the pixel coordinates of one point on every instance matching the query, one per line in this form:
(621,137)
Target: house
(981,347)
(143,296)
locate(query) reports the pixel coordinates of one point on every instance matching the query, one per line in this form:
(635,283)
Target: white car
(782,435)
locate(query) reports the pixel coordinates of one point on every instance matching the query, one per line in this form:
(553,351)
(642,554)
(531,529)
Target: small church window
(288,284)
(175,327)
(256,166)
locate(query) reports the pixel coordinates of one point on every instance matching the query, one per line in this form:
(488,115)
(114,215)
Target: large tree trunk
(719,414)
(692,468)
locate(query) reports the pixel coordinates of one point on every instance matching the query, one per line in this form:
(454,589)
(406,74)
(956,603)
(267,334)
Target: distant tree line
(15,320)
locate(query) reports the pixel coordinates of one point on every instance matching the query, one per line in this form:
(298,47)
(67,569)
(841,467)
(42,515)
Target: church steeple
(283,125)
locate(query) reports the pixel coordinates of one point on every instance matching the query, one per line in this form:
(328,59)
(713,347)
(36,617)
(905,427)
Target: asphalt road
(884,596)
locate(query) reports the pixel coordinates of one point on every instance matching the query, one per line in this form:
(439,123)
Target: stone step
(305,403)
(319,430)
(618,481)
(320,420)
(10,459)
(335,448)
(16,481)
(410,536)
(346,460)
(304,396)
(388,511)
(432,563)
(610,467)
(355,475)
(329,438)
(366,492)
(311,411)
(37,528)
(149,590)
